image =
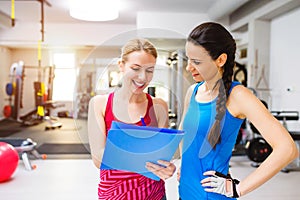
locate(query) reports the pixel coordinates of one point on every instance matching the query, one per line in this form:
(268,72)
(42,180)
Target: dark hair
(215,39)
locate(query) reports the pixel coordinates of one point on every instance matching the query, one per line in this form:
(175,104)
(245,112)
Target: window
(65,76)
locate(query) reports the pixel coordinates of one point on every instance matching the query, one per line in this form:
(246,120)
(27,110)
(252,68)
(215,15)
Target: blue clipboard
(129,147)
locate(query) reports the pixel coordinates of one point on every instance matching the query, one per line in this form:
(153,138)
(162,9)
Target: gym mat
(5,132)
(9,127)
(63,148)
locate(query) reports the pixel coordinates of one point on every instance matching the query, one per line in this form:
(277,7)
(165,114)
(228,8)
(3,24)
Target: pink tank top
(124,185)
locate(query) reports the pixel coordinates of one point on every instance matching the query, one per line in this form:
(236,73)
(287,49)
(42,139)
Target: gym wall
(284,64)
(29,57)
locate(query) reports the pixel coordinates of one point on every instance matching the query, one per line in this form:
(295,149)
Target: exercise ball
(9,159)
(7,111)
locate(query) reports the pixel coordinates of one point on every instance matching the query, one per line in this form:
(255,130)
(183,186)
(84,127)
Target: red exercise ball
(7,110)
(9,159)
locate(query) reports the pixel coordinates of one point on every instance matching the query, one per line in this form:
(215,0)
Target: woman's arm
(96,128)
(161,112)
(242,102)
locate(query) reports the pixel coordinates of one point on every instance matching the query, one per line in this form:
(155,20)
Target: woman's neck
(126,95)
(211,86)
(208,91)
(129,107)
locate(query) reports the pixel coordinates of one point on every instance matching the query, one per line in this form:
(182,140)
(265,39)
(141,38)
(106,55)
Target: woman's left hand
(219,183)
(164,170)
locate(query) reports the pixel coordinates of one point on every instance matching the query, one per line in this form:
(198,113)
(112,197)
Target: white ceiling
(58,24)
(30,10)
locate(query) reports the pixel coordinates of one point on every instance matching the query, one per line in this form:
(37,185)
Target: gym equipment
(8,161)
(33,118)
(24,147)
(13,90)
(295,165)
(285,116)
(258,149)
(84,94)
(53,123)
(43,101)
(240,74)
(7,110)
(172,120)
(9,88)
(151,91)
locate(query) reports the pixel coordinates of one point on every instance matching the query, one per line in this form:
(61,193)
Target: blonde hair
(138,44)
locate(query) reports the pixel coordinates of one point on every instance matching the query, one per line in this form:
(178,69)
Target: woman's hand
(220,183)
(164,170)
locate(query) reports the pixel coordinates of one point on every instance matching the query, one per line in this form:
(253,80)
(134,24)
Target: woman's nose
(189,67)
(142,75)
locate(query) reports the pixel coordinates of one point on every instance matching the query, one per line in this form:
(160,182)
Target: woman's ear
(121,65)
(221,60)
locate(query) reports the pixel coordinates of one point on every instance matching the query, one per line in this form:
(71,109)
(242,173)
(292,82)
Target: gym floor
(64,177)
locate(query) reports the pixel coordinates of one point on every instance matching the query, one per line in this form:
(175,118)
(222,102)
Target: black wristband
(235,182)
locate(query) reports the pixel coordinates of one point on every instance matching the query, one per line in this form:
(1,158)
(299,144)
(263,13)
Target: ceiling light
(94,10)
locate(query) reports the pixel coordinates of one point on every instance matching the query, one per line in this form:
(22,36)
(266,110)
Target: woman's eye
(196,62)
(149,71)
(135,69)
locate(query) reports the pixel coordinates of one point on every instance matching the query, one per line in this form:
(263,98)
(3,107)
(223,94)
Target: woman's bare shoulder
(100,97)
(241,92)
(99,101)
(159,101)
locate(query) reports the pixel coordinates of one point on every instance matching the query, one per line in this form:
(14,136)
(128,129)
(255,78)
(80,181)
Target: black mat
(59,148)
(9,127)
(6,132)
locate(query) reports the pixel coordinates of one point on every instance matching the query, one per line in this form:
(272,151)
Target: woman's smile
(138,84)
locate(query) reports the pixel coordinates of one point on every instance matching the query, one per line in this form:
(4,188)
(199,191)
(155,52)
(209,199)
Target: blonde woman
(127,104)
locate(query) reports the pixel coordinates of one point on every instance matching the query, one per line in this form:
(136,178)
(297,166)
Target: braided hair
(215,39)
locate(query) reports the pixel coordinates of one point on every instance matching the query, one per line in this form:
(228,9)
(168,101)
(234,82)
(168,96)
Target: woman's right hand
(164,170)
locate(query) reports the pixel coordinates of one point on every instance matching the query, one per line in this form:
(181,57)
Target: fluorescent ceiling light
(94,10)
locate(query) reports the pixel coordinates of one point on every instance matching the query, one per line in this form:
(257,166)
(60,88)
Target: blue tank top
(197,154)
